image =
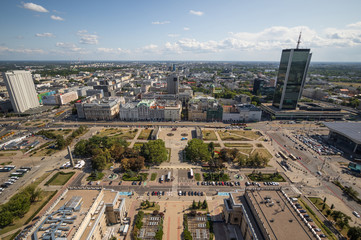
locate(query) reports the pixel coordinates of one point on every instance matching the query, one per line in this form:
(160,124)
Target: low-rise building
(103,109)
(266,214)
(81,214)
(203,108)
(60,99)
(151,110)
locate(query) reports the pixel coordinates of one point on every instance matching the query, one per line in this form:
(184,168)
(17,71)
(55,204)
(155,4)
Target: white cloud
(186,29)
(173,35)
(34,7)
(113,50)
(354,25)
(197,13)
(22,50)
(44,35)
(160,23)
(56,18)
(86,38)
(277,37)
(69,47)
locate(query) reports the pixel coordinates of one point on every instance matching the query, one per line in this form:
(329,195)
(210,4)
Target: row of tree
(197,151)
(18,205)
(106,150)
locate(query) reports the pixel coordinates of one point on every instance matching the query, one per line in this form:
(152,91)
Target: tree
(199,204)
(324,200)
(154,151)
(80,148)
(323,206)
(197,150)
(6,218)
(187,234)
(99,162)
(204,204)
(211,148)
(328,212)
(194,206)
(354,233)
(34,193)
(60,142)
(332,206)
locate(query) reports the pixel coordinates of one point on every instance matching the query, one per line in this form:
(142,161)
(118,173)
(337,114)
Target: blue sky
(229,30)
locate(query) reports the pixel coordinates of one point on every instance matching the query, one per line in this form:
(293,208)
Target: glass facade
(291,77)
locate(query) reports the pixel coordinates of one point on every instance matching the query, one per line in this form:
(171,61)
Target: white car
(356,214)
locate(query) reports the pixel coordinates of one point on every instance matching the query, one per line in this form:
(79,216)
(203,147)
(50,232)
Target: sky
(204,30)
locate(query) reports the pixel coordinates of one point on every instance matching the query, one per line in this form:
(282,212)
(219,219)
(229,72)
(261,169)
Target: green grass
(116,132)
(237,145)
(263,152)
(239,135)
(60,178)
(95,177)
(139,177)
(246,151)
(145,133)
(197,176)
(153,177)
(215,177)
(35,208)
(266,177)
(209,135)
(156,207)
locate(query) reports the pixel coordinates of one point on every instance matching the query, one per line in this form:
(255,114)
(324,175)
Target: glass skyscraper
(291,78)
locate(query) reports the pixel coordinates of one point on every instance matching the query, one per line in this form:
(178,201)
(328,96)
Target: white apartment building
(21,90)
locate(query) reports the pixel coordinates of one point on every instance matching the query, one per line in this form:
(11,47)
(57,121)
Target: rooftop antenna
(299,40)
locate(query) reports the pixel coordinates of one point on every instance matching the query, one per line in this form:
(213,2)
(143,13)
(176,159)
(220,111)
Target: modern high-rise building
(291,77)
(21,90)
(173,84)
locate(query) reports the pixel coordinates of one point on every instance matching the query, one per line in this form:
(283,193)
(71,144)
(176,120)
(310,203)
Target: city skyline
(178,31)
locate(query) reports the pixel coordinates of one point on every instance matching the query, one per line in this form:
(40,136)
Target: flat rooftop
(279,218)
(351,130)
(87,200)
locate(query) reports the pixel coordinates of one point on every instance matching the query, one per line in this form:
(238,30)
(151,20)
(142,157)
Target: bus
(191,173)
(168,176)
(17,174)
(161,179)
(283,155)
(292,157)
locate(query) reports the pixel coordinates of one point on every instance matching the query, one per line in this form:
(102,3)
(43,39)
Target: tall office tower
(173,84)
(291,77)
(21,90)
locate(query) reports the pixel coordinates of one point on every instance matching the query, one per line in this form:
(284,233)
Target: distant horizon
(171,61)
(203,30)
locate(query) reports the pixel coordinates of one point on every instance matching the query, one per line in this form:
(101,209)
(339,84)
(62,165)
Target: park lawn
(136,178)
(33,209)
(209,135)
(237,145)
(7,154)
(60,132)
(153,177)
(144,134)
(60,178)
(151,209)
(245,151)
(347,84)
(263,152)
(266,178)
(247,134)
(169,151)
(231,137)
(44,151)
(41,179)
(198,177)
(259,145)
(117,132)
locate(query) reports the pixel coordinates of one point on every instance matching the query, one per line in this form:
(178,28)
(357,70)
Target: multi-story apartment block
(204,109)
(21,90)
